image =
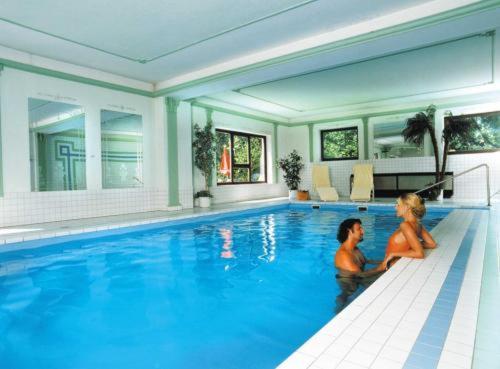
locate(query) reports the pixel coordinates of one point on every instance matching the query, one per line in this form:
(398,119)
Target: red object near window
(225,163)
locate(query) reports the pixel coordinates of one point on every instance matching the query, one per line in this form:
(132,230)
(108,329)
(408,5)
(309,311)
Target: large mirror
(121,149)
(57,146)
(388,142)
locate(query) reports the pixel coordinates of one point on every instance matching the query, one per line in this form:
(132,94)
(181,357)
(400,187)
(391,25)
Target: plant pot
(302,195)
(205,202)
(292,194)
(440,196)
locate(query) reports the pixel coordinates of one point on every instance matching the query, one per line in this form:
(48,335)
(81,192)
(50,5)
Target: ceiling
(290,61)
(156,40)
(455,65)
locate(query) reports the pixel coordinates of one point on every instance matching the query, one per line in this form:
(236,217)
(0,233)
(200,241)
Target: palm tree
(418,126)
(456,128)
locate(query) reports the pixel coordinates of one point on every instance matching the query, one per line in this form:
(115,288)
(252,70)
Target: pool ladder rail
(488,197)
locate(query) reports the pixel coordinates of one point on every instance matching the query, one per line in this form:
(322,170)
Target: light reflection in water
(227,236)
(268,225)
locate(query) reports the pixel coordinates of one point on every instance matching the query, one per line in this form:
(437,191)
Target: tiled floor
(486,352)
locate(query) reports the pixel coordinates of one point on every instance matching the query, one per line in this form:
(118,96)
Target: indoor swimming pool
(242,290)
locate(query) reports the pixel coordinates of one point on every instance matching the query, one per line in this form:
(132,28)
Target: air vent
(362,208)
(315,206)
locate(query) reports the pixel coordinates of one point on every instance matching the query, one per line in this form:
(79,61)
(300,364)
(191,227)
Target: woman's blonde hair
(415,203)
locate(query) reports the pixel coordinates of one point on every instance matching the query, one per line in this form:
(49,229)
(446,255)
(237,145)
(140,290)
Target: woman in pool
(411,238)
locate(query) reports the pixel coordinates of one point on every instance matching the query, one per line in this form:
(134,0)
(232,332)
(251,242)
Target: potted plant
(418,126)
(204,159)
(291,166)
(415,131)
(455,128)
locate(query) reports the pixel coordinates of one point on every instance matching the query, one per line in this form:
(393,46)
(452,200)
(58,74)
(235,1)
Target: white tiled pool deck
(398,322)
(439,312)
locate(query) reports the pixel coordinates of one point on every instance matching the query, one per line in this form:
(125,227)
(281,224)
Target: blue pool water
(236,291)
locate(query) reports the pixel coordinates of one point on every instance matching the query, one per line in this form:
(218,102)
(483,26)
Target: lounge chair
(321,183)
(362,187)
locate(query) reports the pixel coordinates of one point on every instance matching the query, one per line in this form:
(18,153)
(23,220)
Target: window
(57,146)
(388,142)
(339,144)
(121,149)
(241,158)
(484,139)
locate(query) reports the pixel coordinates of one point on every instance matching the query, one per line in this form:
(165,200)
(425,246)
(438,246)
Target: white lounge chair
(362,187)
(321,183)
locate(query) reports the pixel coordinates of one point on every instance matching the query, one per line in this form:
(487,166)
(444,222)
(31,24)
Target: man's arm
(349,267)
(344,261)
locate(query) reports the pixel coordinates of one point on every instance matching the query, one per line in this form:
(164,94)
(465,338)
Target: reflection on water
(268,239)
(227,236)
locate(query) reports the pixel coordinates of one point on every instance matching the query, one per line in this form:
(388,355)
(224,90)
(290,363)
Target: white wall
(21,206)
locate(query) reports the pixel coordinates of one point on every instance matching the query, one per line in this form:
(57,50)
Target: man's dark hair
(344,228)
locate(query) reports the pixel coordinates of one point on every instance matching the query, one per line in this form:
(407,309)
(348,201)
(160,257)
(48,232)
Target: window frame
(245,166)
(474,151)
(323,132)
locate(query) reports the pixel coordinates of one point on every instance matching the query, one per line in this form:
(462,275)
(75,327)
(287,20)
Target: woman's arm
(416,249)
(429,242)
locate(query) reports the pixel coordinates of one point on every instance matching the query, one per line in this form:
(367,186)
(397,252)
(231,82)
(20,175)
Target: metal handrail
(461,174)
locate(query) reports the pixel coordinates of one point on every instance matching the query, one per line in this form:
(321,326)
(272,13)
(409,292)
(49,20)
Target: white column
(93,148)
(185,152)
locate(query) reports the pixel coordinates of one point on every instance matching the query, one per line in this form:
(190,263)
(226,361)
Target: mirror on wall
(57,145)
(388,142)
(121,149)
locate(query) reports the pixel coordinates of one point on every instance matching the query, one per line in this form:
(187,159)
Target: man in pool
(349,260)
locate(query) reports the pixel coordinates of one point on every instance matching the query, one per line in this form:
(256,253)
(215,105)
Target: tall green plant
(204,151)
(457,128)
(417,127)
(291,166)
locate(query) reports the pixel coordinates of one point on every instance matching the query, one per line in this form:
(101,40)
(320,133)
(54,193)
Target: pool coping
(380,329)
(29,232)
(44,231)
(58,229)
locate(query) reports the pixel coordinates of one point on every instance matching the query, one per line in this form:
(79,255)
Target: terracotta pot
(302,195)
